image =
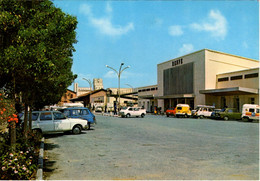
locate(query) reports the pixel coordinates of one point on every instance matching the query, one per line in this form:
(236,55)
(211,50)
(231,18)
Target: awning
(230,91)
(176,96)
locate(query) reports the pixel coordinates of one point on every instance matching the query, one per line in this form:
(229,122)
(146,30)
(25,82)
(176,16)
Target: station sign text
(177,62)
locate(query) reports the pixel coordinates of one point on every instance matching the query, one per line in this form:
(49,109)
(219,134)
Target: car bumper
(121,114)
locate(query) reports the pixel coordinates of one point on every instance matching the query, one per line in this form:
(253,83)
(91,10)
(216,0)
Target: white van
(250,112)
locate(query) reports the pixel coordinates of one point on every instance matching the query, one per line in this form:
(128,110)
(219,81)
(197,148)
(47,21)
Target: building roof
(83,96)
(230,91)
(71,91)
(205,49)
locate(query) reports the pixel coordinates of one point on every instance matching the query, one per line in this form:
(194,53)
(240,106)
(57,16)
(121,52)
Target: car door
(46,122)
(85,114)
(136,112)
(61,123)
(75,113)
(131,111)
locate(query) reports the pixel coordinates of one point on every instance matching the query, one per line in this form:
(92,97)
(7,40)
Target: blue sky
(144,33)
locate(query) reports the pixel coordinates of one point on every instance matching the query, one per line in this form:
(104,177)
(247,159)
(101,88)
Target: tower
(97,83)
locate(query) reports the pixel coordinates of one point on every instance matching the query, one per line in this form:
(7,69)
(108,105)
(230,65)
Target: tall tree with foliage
(36,46)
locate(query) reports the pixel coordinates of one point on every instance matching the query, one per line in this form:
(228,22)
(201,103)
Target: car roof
(75,108)
(43,111)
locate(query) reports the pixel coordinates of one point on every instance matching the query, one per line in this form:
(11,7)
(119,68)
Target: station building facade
(208,77)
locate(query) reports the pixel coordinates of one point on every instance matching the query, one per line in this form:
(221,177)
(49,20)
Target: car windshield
(179,108)
(58,115)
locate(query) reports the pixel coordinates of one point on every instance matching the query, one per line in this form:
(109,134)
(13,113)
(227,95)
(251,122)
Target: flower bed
(21,161)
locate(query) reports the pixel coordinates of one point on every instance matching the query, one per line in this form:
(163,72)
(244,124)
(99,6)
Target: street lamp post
(118,75)
(89,81)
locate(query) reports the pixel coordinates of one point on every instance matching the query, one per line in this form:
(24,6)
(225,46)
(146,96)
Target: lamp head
(122,63)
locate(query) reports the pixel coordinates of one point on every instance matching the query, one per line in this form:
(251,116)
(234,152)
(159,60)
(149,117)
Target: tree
(36,46)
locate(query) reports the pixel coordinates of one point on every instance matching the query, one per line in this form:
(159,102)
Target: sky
(142,34)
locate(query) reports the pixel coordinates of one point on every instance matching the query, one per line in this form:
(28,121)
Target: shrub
(18,165)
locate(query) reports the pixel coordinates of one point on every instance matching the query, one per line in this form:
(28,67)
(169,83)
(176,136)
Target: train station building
(208,77)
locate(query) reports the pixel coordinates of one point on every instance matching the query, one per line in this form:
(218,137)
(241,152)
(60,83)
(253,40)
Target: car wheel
(127,116)
(226,118)
(245,119)
(201,117)
(142,115)
(167,115)
(76,129)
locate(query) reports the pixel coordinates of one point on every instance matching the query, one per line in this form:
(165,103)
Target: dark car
(214,114)
(228,114)
(80,112)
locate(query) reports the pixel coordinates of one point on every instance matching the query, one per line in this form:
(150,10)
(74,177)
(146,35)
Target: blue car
(80,112)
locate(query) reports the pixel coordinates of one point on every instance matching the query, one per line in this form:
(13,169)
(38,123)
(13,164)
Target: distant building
(208,77)
(98,84)
(146,97)
(67,96)
(81,90)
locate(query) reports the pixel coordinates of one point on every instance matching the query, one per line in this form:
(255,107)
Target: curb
(39,174)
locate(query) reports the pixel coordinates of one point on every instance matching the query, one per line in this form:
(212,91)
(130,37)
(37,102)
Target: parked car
(202,111)
(55,121)
(183,110)
(170,112)
(80,112)
(213,114)
(228,113)
(98,109)
(132,112)
(250,112)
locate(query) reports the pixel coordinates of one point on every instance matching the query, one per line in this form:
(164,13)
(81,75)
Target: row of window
(237,77)
(150,89)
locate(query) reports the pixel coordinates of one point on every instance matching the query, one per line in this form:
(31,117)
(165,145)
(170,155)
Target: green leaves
(37,49)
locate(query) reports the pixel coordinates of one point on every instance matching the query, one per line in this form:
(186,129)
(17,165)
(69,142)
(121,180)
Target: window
(136,109)
(58,115)
(251,110)
(130,109)
(257,110)
(84,112)
(236,77)
(67,112)
(223,79)
(252,100)
(35,116)
(230,110)
(75,112)
(46,116)
(247,76)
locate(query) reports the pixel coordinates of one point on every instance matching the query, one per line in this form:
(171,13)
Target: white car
(55,121)
(202,111)
(132,112)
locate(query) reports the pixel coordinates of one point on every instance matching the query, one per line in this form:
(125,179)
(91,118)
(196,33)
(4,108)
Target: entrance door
(236,103)
(223,102)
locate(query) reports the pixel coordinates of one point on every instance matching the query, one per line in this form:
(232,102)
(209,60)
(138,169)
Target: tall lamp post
(119,72)
(89,81)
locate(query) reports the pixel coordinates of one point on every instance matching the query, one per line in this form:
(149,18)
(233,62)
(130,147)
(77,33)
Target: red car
(170,112)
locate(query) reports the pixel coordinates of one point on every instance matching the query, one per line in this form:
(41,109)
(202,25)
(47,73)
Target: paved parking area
(156,147)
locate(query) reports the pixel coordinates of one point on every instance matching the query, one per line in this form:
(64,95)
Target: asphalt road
(155,147)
